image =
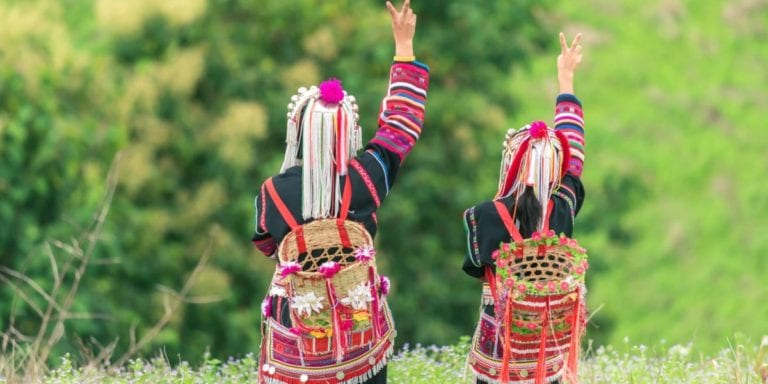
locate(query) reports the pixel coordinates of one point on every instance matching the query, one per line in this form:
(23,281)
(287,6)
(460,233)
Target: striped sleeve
(569,118)
(402,111)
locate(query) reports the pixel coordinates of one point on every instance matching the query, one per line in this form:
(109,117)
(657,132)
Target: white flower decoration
(358,297)
(307,303)
(276,290)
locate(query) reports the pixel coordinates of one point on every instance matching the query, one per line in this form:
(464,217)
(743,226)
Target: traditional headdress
(322,122)
(534,156)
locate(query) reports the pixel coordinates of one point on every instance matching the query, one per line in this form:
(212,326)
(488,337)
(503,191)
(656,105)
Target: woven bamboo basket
(323,244)
(554,265)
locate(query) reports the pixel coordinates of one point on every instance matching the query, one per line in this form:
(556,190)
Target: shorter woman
(539,189)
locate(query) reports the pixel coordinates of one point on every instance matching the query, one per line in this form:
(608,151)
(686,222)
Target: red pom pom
(538,130)
(331,91)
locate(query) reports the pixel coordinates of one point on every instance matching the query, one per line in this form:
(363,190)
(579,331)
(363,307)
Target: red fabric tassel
(339,342)
(541,371)
(375,319)
(506,356)
(514,168)
(572,368)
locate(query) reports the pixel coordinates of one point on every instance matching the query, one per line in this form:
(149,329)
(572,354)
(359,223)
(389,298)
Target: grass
(740,363)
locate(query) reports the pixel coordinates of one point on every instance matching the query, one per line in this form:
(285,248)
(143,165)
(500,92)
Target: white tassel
(308,132)
(292,144)
(314,130)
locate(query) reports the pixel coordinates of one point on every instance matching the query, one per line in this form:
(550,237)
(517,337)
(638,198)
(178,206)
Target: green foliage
(427,365)
(673,220)
(193,94)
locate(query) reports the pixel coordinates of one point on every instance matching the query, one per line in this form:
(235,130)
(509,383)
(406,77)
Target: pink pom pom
(329,268)
(364,253)
(266,307)
(289,268)
(385,285)
(331,91)
(538,130)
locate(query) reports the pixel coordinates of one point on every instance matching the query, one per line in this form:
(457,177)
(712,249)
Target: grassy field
(740,362)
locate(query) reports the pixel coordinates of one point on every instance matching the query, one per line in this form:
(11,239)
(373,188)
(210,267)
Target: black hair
(528,212)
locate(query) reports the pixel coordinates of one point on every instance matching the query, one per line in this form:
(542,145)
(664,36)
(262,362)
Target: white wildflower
(679,350)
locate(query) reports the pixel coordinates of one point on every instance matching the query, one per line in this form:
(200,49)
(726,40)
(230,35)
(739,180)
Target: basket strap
(491,283)
(281,207)
(507,219)
(346,198)
(301,245)
(511,228)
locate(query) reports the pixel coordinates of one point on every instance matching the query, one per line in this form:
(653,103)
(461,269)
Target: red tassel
(506,356)
(375,305)
(514,168)
(339,342)
(541,371)
(572,369)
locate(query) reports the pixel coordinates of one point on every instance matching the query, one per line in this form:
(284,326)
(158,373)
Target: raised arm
(402,111)
(401,117)
(569,117)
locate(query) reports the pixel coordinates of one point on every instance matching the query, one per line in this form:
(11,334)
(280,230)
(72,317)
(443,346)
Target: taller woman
(539,194)
(326,318)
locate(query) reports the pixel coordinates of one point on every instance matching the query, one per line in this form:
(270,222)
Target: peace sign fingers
(403,27)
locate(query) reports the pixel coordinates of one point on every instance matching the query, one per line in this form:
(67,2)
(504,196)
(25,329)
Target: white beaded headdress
(535,156)
(323,121)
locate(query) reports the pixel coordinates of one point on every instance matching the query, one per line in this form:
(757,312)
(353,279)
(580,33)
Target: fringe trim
(491,380)
(360,379)
(374,370)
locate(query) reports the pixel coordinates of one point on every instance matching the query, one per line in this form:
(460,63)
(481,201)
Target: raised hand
(403,28)
(567,62)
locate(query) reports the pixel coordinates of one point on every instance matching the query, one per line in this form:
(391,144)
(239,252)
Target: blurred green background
(193,94)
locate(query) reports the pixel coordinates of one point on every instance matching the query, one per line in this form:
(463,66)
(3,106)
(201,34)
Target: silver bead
(295,98)
(290,106)
(355,107)
(352,99)
(510,131)
(313,88)
(288,115)
(302,89)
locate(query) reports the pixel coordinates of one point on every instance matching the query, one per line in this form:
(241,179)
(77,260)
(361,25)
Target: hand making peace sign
(403,28)
(567,62)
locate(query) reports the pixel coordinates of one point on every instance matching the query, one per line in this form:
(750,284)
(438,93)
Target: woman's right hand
(567,62)
(403,28)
